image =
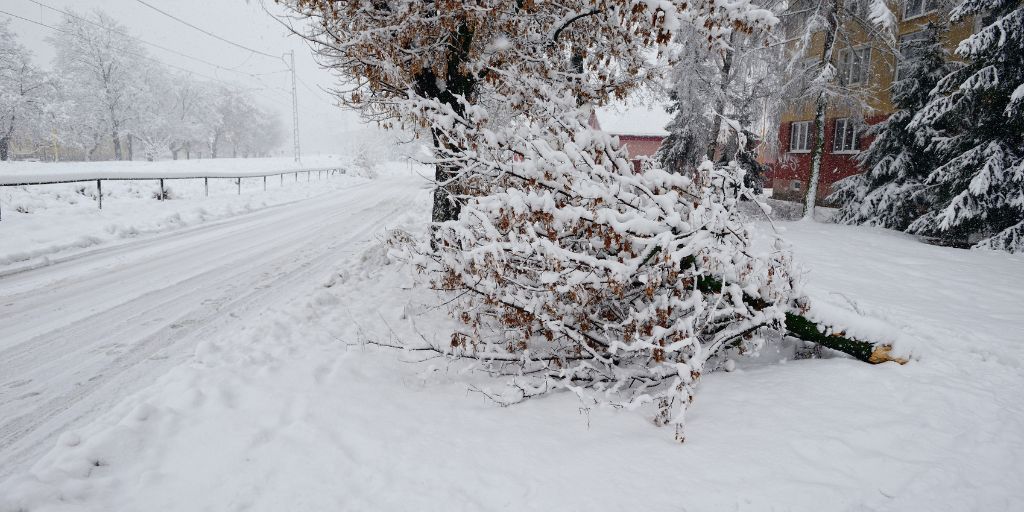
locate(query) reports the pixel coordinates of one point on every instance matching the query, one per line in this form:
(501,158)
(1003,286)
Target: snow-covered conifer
(690,91)
(717,95)
(979,187)
(891,192)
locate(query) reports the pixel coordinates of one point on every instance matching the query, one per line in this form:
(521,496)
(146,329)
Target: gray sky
(323,128)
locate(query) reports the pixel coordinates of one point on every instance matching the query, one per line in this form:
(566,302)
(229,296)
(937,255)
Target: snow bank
(41,222)
(36,172)
(299,414)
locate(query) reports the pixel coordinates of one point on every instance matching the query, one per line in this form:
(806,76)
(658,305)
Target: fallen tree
(567,269)
(799,326)
(872,352)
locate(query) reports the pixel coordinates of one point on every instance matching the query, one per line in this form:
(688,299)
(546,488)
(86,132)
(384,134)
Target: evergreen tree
(979,186)
(689,93)
(890,193)
(716,96)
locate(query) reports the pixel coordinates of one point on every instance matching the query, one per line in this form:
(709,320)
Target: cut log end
(883,354)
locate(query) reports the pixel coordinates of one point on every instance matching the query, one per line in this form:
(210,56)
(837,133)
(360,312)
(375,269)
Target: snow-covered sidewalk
(296,414)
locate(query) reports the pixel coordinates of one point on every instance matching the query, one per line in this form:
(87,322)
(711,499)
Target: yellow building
(867,61)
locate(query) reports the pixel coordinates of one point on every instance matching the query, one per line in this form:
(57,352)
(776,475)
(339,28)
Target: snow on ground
(24,171)
(100,323)
(297,413)
(41,221)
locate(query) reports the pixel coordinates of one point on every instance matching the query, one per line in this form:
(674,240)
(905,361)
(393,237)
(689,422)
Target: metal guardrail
(320,171)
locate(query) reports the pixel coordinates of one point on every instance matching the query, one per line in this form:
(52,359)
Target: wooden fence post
(239,182)
(264,183)
(99,192)
(206,186)
(163,192)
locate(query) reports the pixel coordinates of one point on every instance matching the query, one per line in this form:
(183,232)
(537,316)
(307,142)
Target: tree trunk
(446,176)
(801,327)
(116,138)
(821,108)
(131,148)
(818,151)
(869,352)
(716,125)
(5,148)
(95,147)
(446,206)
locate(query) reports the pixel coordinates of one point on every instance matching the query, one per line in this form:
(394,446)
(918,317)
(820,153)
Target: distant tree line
(106,99)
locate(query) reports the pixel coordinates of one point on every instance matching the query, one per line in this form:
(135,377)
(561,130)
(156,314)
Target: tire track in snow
(66,374)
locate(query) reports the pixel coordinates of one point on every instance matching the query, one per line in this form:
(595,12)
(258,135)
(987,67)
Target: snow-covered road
(79,335)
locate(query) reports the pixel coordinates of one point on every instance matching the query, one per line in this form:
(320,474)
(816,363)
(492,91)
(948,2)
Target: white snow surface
(33,172)
(43,223)
(628,119)
(282,406)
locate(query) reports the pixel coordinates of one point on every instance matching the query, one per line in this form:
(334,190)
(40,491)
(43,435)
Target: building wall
(791,173)
(640,146)
(882,65)
(790,167)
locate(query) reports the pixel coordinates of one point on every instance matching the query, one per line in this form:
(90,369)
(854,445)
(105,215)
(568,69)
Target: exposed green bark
(801,327)
(807,330)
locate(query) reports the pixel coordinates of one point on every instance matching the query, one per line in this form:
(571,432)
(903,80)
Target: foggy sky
(322,127)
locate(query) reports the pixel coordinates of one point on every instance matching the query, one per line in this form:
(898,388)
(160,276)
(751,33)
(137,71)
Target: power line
(143,56)
(291,66)
(316,93)
(154,45)
(211,34)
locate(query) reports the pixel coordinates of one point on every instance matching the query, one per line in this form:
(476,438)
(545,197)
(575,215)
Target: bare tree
(26,93)
(104,60)
(830,66)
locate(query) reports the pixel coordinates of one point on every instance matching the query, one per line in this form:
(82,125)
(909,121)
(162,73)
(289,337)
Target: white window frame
(803,128)
(924,9)
(845,66)
(839,137)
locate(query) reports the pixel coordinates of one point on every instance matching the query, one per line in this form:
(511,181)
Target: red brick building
(790,173)
(867,67)
(640,130)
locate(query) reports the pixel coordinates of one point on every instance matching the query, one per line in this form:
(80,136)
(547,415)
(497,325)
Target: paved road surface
(79,335)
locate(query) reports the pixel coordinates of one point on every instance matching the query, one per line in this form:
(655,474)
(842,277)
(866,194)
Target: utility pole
(295,110)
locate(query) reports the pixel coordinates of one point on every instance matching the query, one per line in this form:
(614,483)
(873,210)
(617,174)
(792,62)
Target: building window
(854,65)
(915,8)
(846,139)
(795,185)
(911,48)
(800,137)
